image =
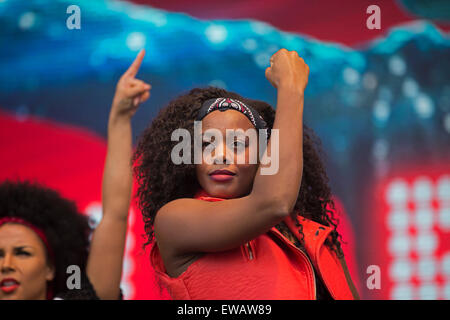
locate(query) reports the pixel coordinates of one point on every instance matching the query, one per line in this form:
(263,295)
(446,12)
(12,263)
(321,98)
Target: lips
(222,175)
(9,285)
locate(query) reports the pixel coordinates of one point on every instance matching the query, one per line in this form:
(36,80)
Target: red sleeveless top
(268,267)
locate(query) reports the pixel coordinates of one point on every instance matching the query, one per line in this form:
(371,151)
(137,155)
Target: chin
(220,191)
(225,192)
(11,297)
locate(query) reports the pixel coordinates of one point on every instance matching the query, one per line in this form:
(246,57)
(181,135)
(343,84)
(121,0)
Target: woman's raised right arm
(289,74)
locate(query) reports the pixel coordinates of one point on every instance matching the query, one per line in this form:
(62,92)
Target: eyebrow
(20,247)
(23,247)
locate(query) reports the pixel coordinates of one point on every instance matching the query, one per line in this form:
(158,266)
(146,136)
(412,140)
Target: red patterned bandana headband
(223,104)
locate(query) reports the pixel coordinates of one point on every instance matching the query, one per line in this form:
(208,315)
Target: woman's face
(24,270)
(237,180)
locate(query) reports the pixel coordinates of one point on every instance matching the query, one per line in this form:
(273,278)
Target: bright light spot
(127,266)
(422,189)
(446,291)
(428,292)
(444,218)
(381,110)
(424,106)
(410,88)
(401,270)
(397,65)
(27,20)
(399,245)
(426,269)
(397,192)
(262,59)
(250,45)
(216,33)
(131,217)
(443,187)
(136,41)
(350,75)
(398,220)
(402,292)
(426,243)
(129,243)
(125,288)
(159,19)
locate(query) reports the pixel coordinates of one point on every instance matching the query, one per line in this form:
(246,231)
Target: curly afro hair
(66,229)
(160,181)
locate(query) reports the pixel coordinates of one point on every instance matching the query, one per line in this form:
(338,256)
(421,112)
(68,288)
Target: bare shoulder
(171,211)
(177,204)
(173,216)
(171,231)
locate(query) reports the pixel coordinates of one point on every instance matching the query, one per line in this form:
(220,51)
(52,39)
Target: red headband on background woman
(37,230)
(40,234)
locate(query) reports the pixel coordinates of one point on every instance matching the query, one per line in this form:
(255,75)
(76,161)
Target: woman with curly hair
(223,229)
(41,235)
(45,251)
(43,238)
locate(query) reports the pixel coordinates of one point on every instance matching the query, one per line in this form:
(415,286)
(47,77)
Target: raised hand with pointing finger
(130,92)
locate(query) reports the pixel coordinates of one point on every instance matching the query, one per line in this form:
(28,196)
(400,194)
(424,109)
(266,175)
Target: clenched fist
(130,92)
(287,69)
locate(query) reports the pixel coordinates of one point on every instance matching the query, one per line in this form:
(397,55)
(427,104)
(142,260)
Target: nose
(6,264)
(221,155)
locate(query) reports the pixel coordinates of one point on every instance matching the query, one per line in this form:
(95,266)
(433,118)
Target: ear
(50,273)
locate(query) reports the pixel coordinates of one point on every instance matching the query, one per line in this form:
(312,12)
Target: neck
(203,195)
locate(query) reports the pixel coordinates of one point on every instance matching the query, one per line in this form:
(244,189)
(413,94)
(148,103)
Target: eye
(21,252)
(205,144)
(239,144)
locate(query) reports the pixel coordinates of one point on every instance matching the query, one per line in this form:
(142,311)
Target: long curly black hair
(67,231)
(160,181)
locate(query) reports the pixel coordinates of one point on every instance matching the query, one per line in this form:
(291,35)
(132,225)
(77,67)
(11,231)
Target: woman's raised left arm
(105,261)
